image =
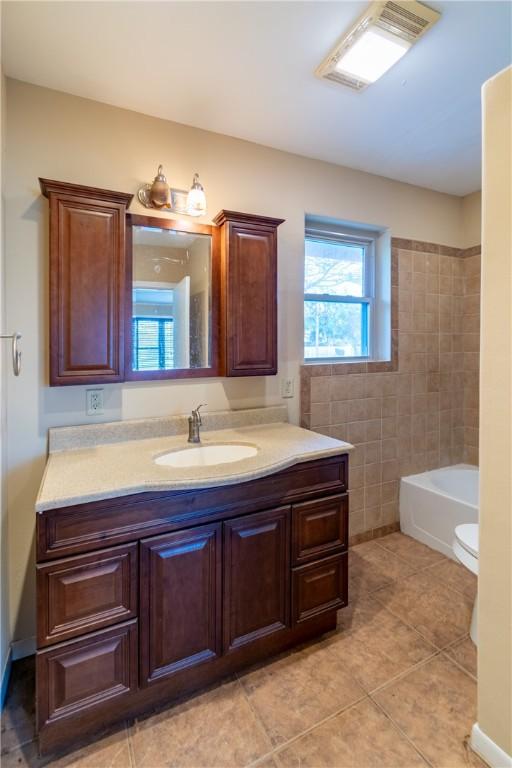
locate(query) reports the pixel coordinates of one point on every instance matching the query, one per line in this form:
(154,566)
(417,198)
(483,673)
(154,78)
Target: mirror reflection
(171,299)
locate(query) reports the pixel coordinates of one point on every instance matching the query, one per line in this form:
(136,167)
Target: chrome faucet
(194,422)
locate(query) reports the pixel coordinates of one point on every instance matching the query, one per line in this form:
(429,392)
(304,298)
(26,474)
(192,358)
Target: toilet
(465,549)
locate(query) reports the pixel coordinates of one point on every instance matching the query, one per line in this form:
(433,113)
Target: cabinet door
(180,601)
(256,576)
(249,293)
(87,283)
(252,322)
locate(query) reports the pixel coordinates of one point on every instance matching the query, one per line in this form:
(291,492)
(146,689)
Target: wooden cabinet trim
(50,186)
(248,219)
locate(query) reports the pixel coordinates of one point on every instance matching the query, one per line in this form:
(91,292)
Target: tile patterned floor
(393,687)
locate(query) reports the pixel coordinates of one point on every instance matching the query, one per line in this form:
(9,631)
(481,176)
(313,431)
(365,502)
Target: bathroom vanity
(153,581)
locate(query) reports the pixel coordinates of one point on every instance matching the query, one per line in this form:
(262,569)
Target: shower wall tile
(420,411)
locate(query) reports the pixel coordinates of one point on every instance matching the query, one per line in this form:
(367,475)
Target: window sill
(354,365)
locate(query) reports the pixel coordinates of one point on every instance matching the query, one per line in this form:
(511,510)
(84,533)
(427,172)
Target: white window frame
(367,242)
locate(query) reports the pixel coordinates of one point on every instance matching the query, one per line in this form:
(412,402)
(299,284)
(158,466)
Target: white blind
(153,343)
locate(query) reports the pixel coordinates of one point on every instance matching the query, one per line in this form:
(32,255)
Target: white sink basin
(207,455)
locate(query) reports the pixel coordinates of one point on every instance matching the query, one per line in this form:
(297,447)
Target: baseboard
(6,674)
(374,533)
(488,750)
(22,648)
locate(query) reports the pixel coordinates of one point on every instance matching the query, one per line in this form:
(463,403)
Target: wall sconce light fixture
(161,196)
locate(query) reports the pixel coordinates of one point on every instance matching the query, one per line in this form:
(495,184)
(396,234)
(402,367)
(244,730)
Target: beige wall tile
(356,477)
(347,387)
(373,474)
(356,432)
(373,452)
(389,449)
(339,412)
(372,517)
(357,456)
(356,499)
(389,426)
(320,414)
(390,470)
(389,512)
(320,391)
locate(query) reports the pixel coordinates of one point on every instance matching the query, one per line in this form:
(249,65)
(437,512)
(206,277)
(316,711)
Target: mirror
(171,292)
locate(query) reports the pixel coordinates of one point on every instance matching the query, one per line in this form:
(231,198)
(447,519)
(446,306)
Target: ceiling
(246,69)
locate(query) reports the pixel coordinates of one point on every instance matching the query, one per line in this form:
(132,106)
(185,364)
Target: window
(338,295)
(153,343)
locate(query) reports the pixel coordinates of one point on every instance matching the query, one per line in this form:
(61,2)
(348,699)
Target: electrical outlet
(94,402)
(287,387)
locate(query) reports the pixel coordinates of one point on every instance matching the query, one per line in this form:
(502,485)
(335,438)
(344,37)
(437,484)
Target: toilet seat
(465,549)
(465,545)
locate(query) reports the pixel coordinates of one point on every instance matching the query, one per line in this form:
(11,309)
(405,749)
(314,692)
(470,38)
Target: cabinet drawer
(319,528)
(81,676)
(319,587)
(84,593)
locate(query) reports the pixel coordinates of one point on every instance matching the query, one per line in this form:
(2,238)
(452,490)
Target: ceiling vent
(378,39)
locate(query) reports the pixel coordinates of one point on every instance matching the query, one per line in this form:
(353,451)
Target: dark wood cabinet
(319,528)
(180,601)
(248,294)
(319,587)
(87,283)
(81,594)
(144,598)
(256,576)
(83,675)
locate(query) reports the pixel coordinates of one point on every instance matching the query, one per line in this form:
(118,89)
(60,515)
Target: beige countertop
(78,475)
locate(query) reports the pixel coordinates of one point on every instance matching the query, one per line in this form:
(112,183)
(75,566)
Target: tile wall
(470,347)
(420,411)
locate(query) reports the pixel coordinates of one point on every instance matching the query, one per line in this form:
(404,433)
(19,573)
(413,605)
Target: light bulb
(196,200)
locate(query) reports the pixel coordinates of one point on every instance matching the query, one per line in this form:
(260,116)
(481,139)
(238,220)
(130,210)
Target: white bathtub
(433,503)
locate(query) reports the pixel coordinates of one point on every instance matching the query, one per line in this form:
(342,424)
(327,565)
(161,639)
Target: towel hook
(16,353)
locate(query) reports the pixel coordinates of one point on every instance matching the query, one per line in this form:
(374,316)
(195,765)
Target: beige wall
(472,219)
(4,560)
(67,138)
(495,576)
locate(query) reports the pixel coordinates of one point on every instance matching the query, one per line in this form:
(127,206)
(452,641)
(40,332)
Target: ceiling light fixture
(378,39)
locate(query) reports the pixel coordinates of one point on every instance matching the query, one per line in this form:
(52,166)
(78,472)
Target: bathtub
(433,503)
